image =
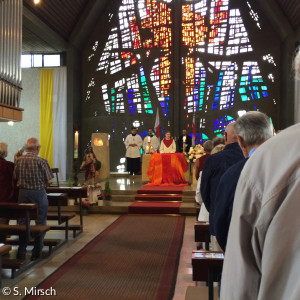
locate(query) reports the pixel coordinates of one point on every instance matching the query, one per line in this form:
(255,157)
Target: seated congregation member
(133,144)
(214,167)
(252,129)
(262,253)
(153,140)
(33,175)
(185,139)
(168,144)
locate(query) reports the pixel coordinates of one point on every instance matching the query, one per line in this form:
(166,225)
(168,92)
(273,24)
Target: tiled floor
(93,225)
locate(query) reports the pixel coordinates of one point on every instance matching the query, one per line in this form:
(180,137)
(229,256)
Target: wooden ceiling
(60,15)
(65,17)
(291,9)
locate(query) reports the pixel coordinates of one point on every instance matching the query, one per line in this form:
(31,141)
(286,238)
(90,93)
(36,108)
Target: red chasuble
(168,143)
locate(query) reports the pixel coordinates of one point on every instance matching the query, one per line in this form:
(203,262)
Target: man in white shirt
(133,144)
(152,141)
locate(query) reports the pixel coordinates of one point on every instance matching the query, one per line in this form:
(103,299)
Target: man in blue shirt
(214,167)
(252,129)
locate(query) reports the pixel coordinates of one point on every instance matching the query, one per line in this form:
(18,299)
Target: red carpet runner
(161,199)
(134,258)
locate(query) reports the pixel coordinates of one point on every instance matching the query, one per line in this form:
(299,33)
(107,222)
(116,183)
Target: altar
(165,168)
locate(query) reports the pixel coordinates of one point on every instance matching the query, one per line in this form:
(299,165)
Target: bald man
(214,167)
(33,175)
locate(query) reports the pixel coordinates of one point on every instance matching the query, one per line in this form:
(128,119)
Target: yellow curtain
(46,115)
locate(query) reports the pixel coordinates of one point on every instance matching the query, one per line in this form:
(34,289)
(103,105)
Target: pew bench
(4,250)
(17,211)
(62,218)
(73,192)
(202,234)
(207,266)
(50,243)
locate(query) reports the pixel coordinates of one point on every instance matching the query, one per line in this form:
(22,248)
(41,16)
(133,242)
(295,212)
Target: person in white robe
(150,143)
(168,144)
(133,144)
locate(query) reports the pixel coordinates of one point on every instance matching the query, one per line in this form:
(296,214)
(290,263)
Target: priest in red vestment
(168,144)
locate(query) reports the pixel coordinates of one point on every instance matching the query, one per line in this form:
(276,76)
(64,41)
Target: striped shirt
(32,172)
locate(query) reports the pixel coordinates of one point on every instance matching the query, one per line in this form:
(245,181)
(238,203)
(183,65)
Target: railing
(10,51)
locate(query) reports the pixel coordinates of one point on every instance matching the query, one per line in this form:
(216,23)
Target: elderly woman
(168,144)
(7,183)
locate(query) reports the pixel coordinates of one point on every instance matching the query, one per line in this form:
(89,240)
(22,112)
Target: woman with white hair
(7,183)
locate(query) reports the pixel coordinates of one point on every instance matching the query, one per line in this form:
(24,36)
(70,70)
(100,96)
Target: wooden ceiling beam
(43,31)
(86,23)
(276,18)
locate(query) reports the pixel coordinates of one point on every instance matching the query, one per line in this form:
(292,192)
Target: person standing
(185,140)
(214,167)
(89,162)
(8,186)
(133,144)
(168,144)
(152,139)
(262,253)
(252,129)
(33,174)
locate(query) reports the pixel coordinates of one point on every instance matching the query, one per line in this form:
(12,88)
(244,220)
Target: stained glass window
(202,58)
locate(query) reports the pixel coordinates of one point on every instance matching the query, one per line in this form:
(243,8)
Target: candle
(76,135)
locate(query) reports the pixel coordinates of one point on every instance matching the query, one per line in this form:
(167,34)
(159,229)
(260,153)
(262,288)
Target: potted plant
(85,207)
(75,171)
(107,192)
(100,199)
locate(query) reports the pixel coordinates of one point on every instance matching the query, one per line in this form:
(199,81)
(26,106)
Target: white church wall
(15,136)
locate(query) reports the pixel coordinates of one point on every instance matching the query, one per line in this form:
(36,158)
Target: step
(158,197)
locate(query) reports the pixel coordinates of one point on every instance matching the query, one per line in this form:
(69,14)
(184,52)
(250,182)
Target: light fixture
(241,113)
(36,2)
(98,142)
(10,123)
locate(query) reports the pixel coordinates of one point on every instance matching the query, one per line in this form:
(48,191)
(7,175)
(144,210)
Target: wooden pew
(202,233)
(59,200)
(55,172)
(17,211)
(4,249)
(206,267)
(73,192)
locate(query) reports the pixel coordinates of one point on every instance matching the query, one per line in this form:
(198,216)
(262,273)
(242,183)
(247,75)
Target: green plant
(107,190)
(75,171)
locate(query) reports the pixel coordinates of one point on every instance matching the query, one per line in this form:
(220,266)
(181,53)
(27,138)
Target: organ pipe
(10,51)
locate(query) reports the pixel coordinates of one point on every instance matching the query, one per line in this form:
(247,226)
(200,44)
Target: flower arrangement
(194,153)
(100,197)
(107,196)
(86,204)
